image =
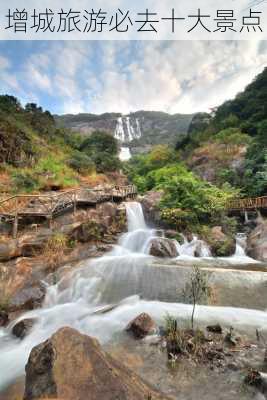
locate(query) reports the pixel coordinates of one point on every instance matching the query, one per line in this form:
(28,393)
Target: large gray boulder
(163,247)
(71,366)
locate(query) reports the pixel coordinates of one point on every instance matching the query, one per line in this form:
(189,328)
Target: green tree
(103,150)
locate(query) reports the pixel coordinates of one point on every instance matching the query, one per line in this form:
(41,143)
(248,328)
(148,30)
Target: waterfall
(194,248)
(125,154)
(241,244)
(119,131)
(135,216)
(123,283)
(127,129)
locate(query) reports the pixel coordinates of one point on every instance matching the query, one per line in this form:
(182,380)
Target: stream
(102,295)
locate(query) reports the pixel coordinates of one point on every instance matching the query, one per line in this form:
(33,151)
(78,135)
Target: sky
(126,76)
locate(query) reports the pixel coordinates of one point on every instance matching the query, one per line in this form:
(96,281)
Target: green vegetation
(37,155)
(237,130)
(188,200)
(102,149)
(82,163)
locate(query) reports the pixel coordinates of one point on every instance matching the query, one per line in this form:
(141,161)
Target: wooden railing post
(74,203)
(15,227)
(15,222)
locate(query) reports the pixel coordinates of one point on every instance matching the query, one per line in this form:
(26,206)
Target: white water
(117,278)
(241,243)
(125,154)
(127,129)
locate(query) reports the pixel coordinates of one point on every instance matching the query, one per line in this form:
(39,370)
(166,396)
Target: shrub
(103,150)
(197,289)
(55,249)
(81,163)
(25,181)
(233,136)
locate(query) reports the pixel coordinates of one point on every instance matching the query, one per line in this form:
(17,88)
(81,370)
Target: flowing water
(103,295)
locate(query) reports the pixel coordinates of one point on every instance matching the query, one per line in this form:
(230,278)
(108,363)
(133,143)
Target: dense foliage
(35,154)
(102,148)
(187,199)
(238,122)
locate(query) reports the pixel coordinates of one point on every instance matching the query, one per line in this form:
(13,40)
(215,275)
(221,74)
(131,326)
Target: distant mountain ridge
(139,130)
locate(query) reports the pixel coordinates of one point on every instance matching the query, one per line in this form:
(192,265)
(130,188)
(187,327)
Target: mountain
(139,130)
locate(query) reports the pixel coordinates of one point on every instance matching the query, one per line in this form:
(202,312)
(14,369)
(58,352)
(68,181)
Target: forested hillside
(37,155)
(232,143)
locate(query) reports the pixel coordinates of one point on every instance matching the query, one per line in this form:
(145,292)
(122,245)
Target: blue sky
(124,76)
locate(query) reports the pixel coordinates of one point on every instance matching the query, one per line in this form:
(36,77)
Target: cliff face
(139,131)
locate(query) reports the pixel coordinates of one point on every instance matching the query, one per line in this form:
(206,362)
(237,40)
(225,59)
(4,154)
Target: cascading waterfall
(125,154)
(123,283)
(241,244)
(127,129)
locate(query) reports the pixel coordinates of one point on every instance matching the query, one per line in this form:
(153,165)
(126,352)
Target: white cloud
(178,76)
(38,78)
(126,76)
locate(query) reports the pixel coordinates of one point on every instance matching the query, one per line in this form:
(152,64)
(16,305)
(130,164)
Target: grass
(55,249)
(189,343)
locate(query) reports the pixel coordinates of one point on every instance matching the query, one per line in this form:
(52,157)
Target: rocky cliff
(140,130)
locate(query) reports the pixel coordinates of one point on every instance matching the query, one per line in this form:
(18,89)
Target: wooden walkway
(15,208)
(248,204)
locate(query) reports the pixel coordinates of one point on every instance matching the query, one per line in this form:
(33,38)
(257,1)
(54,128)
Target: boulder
(257,242)
(141,326)
(9,249)
(214,328)
(150,204)
(107,210)
(71,366)
(221,245)
(3,318)
(257,379)
(217,233)
(27,298)
(172,234)
(23,327)
(31,244)
(89,231)
(163,247)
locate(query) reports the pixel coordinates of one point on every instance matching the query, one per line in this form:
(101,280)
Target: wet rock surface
(28,260)
(70,365)
(28,298)
(214,328)
(141,326)
(23,327)
(163,247)
(4,319)
(221,245)
(183,378)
